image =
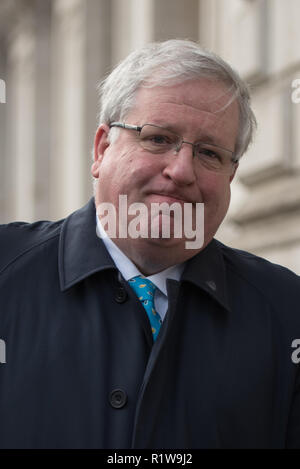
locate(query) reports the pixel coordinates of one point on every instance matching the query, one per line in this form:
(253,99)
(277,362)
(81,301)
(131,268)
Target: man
(124,341)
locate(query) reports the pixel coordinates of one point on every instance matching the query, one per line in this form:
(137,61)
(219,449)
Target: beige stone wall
(261,39)
(53,53)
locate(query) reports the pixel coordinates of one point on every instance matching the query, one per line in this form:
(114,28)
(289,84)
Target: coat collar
(82,253)
(207,271)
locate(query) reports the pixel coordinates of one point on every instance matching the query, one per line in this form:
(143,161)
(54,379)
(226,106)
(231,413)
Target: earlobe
(95,169)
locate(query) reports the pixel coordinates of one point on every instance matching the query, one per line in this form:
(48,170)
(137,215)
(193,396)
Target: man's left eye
(160,140)
(207,153)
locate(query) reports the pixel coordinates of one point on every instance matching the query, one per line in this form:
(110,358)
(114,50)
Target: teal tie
(145,291)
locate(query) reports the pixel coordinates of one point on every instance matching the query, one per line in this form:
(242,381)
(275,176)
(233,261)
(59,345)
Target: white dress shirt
(129,270)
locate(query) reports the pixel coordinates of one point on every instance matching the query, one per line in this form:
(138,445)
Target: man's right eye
(159,139)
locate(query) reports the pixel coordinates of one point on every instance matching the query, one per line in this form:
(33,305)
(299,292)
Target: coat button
(118,398)
(120,295)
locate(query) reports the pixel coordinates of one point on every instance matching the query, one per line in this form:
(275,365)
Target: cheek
(216,192)
(127,172)
(141,169)
(115,166)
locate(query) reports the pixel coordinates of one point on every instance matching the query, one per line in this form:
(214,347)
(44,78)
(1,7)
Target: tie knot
(143,287)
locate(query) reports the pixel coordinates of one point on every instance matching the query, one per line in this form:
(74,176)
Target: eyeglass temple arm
(125,126)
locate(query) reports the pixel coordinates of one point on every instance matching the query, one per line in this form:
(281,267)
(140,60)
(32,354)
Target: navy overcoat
(81,370)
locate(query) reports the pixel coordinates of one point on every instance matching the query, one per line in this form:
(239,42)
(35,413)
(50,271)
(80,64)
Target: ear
(234,171)
(100,145)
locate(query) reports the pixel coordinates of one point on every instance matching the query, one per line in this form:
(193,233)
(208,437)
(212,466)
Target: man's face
(193,110)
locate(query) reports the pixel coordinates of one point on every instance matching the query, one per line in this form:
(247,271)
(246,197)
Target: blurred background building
(54,52)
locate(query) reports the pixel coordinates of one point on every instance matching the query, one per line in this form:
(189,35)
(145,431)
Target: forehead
(195,106)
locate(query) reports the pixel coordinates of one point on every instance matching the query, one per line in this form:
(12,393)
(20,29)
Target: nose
(180,165)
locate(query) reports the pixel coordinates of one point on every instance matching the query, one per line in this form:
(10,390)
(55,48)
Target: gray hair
(168,63)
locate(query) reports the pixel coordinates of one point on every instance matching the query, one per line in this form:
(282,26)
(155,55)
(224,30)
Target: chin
(171,251)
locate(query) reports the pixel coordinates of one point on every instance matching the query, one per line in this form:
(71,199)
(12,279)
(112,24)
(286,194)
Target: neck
(148,257)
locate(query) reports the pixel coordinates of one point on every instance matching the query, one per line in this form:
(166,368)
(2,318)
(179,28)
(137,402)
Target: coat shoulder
(271,279)
(18,238)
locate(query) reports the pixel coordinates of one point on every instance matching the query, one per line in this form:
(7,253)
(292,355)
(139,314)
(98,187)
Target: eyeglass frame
(138,128)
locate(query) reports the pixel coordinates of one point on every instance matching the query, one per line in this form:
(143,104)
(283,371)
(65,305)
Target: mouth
(169,198)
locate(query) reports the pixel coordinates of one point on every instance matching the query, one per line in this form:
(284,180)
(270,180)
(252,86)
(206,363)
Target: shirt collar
(128,269)
(82,254)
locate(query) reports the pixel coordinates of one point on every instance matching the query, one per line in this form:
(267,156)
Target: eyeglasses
(156,139)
